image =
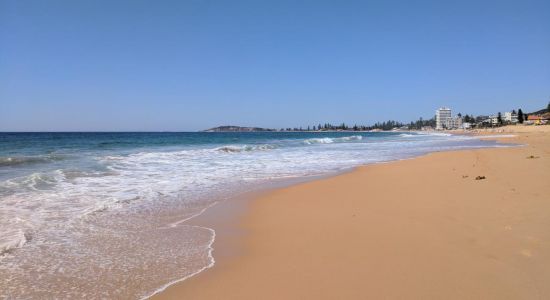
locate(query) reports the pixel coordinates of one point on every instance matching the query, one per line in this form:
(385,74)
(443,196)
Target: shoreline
(222,216)
(219,209)
(146,251)
(232,247)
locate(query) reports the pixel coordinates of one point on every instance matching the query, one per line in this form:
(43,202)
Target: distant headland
(237,129)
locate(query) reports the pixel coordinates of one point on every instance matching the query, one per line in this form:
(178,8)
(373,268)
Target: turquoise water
(115,203)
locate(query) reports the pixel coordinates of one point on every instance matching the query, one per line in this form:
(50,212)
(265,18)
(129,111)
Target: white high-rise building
(443,118)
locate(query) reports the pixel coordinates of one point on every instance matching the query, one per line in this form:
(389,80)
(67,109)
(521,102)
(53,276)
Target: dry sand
(414,229)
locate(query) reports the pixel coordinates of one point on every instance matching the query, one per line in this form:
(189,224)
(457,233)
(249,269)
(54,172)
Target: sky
(189,65)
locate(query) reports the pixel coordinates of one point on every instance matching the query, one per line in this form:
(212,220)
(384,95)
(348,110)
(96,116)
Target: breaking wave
(327,140)
(7,161)
(246,148)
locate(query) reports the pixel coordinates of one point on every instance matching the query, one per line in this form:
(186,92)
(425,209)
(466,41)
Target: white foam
(351,138)
(496,136)
(319,141)
(432,133)
(243,148)
(327,140)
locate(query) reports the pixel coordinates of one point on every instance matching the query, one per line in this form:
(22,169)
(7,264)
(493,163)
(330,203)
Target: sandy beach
(258,150)
(423,228)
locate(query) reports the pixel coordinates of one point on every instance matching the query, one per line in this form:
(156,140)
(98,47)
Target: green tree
(520,116)
(499,118)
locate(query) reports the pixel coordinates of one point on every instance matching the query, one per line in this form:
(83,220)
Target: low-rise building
(539,119)
(482,119)
(511,117)
(494,120)
(456,122)
(466,125)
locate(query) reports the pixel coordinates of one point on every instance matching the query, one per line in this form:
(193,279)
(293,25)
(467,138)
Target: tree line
(386,125)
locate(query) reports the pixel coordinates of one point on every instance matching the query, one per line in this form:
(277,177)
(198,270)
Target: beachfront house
(493,120)
(511,117)
(456,122)
(539,119)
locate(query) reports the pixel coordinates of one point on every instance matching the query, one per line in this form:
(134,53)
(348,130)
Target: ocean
(102,215)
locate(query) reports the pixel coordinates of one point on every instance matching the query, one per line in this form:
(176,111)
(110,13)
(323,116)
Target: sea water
(102,215)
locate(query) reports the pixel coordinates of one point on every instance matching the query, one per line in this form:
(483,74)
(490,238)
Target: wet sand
(419,228)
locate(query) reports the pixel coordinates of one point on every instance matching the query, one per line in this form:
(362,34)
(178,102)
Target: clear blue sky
(189,65)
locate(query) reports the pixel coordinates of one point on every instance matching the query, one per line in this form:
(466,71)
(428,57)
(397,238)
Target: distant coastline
(230,128)
(446,122)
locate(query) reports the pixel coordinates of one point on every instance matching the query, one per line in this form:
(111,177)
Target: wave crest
(246,148)
(327,140)
(7,161)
